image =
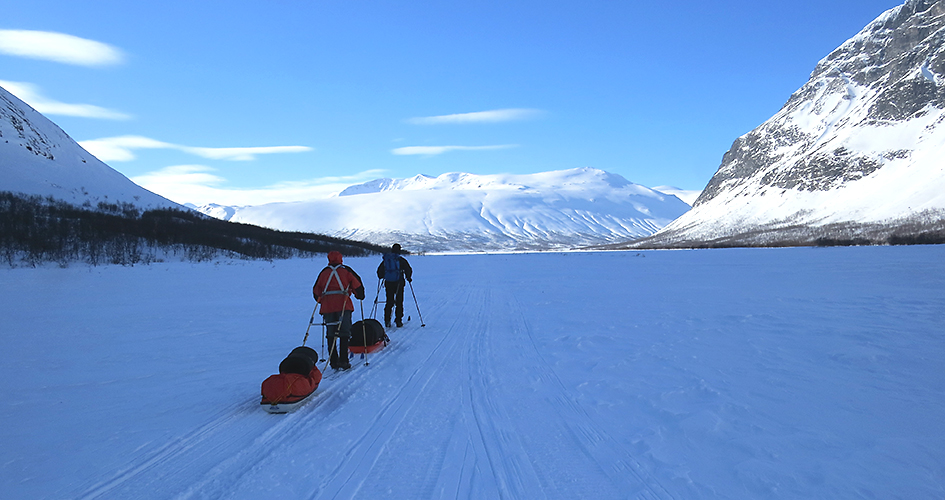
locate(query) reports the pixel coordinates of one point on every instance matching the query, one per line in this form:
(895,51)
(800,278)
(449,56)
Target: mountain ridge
(854,154)
(459,211)
(39,158)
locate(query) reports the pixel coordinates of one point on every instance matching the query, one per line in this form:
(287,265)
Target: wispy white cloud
(242,154)
(438,150)
(180,175)
(58,47)
(493,116)
(122,148)
(30,94)
(200,185)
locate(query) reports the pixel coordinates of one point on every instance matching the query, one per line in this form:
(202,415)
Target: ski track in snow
(793,373)
(485,444)
(493,449)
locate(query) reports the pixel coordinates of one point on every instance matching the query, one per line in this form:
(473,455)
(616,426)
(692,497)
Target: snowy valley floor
(789,373)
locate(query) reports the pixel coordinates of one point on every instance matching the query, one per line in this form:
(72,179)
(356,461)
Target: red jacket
(335,284)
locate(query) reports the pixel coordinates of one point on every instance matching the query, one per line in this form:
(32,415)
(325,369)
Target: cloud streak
(31,95)
(438,150)
(242,154)
(493,116)
(122,148)
(198,184)
(58,47)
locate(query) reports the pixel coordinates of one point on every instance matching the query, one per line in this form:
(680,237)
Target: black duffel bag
(367,332)
(300,360)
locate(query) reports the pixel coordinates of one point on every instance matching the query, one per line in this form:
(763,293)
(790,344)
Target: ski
(281,408)
(332,373)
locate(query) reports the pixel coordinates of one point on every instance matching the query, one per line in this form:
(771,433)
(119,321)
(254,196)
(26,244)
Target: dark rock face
(894,70)
(816,171)
(22,131)
(908,99)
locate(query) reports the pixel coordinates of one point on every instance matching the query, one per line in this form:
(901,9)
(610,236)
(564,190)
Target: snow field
(782,373)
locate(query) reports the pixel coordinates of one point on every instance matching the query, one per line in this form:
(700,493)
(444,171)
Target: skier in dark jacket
(332,291)
(394,270)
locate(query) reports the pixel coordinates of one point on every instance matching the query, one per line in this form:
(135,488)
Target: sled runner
(296,381)
(367,336)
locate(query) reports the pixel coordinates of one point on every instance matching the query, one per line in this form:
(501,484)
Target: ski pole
(324,326)
(376,297)
(364,332)
(310,321)
(332,348)
(417,303)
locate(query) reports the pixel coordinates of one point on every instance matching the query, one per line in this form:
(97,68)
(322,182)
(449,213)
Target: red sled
(297,379)
(357,349)
(367,336)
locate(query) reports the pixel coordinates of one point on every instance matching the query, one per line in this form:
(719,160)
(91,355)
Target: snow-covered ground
(783,373)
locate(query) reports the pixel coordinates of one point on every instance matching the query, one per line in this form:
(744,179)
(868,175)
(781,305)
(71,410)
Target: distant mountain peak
(462,181)
(460,211)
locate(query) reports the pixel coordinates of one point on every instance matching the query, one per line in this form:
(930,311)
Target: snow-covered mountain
(687,195)
(467,212)
(38,158)
(858,152)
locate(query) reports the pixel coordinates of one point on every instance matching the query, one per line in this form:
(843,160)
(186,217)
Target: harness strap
(342,290)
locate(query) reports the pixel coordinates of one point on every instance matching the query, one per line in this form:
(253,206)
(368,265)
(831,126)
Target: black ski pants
(337,324)
(395,297)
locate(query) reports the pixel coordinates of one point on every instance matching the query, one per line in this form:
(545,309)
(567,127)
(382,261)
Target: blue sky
(240,102)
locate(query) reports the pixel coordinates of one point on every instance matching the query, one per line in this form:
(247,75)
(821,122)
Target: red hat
(334,257)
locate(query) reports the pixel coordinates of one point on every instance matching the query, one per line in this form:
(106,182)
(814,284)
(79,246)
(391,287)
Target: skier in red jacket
(332,291)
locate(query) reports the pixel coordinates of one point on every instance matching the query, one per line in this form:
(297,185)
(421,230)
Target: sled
(295,383)
(357,349)
(367,336)
(280,408)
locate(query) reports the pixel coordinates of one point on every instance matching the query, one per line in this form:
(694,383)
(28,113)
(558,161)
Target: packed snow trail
(504,429)
(791,373)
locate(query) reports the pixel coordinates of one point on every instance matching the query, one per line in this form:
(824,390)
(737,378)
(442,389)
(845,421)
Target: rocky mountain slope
(467,212)
(855,155)
(38,158)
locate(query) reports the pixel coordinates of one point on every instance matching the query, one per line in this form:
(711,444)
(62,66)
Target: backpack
(392,270)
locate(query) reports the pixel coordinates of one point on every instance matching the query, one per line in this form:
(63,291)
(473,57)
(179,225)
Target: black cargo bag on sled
(367,332)
(300,360)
